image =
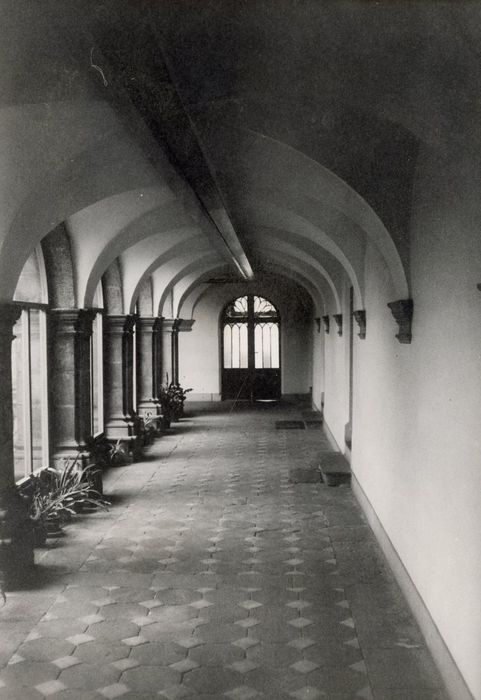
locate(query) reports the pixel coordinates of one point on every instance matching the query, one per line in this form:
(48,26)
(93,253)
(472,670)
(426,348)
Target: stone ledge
(335,469)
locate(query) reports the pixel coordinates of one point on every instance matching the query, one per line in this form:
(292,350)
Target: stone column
(16,543)
(70,331)
(169,350)
(157,357)
(130,402)
(175,352)
(148,404)
(118,373)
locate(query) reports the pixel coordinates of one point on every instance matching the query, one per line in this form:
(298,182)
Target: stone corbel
(402,310)
(325,320)
(360,318)
(338,320)
(184,325)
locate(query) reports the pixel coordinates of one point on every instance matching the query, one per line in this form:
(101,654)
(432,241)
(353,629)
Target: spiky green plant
(56,492)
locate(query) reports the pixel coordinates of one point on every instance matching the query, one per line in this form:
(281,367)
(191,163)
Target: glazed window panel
(235,346)
(96,349)
(266,345)
(29,392)
(134,364)
(36,396)
(238,308)
(264,308)
(20,398)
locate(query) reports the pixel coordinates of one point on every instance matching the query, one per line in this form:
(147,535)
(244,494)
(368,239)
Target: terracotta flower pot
(39,531)
(53,526)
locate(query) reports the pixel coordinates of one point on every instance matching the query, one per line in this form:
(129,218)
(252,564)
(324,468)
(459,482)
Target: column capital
(147,322)
(74,321)
(120,324)
(169,325)
(325,320)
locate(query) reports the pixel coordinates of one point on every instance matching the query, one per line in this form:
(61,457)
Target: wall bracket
(360,318)
(402,310)
(338,320)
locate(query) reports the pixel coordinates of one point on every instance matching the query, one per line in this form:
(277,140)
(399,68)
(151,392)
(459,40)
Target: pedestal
(16,538)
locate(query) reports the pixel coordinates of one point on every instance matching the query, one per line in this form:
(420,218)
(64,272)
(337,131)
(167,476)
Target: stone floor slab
(212,576)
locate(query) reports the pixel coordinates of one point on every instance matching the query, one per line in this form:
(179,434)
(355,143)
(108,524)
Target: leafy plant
(99,453)
(172,399)
(118,454)
(56,493)
(148,428)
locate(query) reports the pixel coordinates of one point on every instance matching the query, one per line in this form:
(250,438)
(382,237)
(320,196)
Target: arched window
(96,364)
(135,361)
(251,354)
(29,370)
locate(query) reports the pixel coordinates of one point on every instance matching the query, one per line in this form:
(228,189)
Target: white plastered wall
(331,372)
(416,438)
(199,350)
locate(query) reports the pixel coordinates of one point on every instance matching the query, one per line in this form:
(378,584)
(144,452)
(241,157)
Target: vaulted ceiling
(267,136)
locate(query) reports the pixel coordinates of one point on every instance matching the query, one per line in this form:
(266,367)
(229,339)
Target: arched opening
(29,370)
(251,368)
(96,364)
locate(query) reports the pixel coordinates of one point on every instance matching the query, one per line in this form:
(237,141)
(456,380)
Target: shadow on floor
(38,577)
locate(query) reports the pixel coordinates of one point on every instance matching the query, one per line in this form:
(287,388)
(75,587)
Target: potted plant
(55,496)
(99,455)
(172,400)
(119,455)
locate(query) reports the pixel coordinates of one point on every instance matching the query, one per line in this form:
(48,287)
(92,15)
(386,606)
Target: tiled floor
(216,575)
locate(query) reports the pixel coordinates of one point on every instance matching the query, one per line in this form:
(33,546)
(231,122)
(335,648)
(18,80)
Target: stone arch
(111,165)
(57,253)
(192,295)
(112,290)
(263,214)
(308,271)
(145,300)
(184,267)
(264,162)
(134,278)
(32,283)
(275,245)
(135,228)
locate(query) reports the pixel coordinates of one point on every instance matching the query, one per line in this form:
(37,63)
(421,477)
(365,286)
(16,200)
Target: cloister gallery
(264,202)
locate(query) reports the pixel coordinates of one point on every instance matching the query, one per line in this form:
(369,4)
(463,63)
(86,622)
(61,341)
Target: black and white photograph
(240,349)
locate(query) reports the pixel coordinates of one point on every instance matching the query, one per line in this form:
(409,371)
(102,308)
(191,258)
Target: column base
(120,429)
(126,442)
(91,458)
(67,453)
(148,408)
(149,411)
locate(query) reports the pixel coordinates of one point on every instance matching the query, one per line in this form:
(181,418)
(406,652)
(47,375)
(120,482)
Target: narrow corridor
(218,572)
